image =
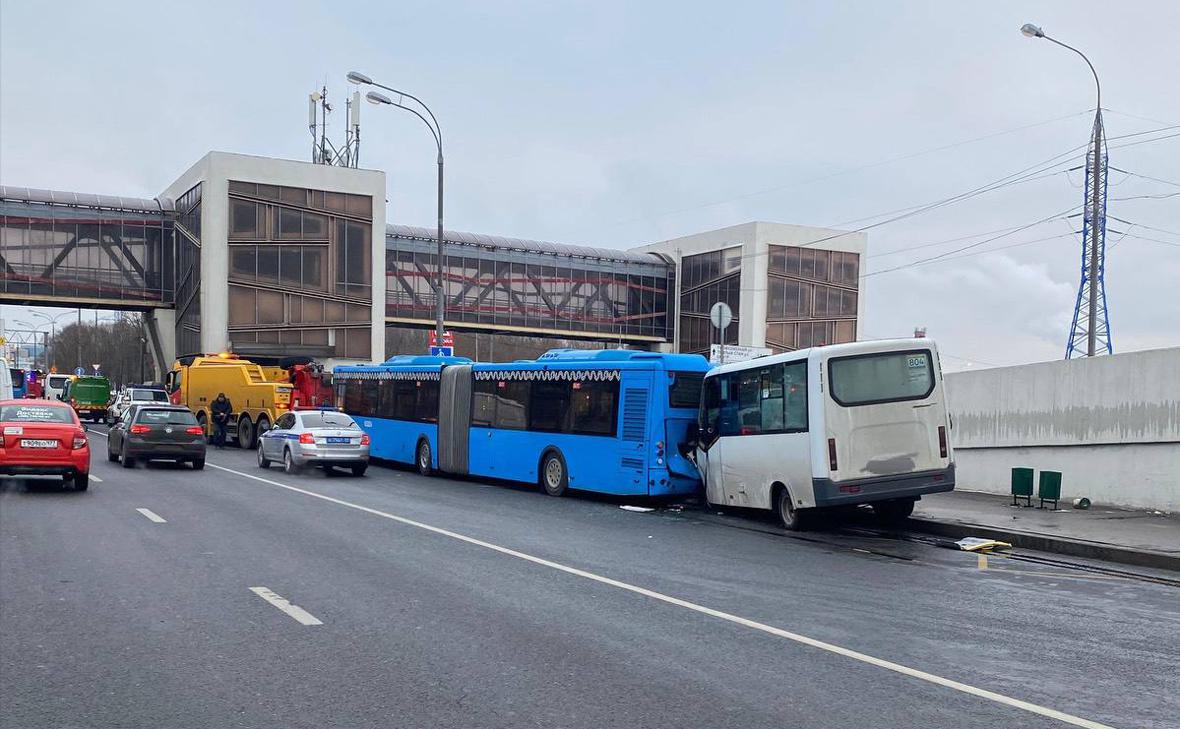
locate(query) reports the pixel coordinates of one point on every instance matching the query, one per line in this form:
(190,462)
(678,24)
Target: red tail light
(140,429)
(79,441)
(194,430)
(832,454)
(365,439)
(307,438)
(942,441)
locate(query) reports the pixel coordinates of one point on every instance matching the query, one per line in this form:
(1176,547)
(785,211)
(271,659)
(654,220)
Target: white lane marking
(152,516)
(97,432)
(745,622)
(283,604)
(95,479)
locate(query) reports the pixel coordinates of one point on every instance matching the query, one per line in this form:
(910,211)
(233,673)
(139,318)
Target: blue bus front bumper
(882,488)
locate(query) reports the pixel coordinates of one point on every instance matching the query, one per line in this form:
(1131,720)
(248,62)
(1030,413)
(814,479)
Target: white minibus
(839,425)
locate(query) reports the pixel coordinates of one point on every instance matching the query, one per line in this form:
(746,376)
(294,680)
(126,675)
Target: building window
(299,239)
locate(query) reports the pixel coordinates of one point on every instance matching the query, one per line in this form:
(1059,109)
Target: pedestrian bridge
(76,249)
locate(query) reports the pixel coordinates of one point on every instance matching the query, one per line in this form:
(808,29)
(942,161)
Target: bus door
(708,455)
(884,414)
(454,419)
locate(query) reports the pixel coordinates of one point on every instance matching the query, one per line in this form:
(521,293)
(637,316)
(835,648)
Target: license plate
(338,440)
(38,443)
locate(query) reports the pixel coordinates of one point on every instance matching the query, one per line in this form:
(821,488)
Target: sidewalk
(1141,538)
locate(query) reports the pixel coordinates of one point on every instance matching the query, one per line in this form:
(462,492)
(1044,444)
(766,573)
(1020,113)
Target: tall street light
(53,328)
(1092,287)
(374,97)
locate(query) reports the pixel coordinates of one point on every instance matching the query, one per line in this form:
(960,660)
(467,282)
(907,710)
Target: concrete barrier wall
(1111,425)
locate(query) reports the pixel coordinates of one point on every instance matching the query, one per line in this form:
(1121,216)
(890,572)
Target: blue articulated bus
(609,421)
(396,403)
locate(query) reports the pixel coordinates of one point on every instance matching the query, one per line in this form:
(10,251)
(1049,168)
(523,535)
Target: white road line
(97,432)
(95,479)
(152,516)
(283,604)
(736,619)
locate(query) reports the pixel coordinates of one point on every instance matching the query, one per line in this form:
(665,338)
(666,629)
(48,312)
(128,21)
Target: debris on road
(979,544)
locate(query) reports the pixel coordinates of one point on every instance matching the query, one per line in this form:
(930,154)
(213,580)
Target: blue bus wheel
(554,475)
(422,459)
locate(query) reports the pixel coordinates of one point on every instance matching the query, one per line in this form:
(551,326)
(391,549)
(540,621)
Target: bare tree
(116,347)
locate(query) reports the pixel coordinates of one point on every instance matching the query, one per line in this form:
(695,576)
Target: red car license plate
(38,443)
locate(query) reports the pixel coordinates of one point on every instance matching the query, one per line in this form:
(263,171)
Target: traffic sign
(448,339)
(735,353)
(442,351)
(721,315)
(79,371)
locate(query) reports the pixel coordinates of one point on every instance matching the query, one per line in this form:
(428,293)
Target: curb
(1049,543)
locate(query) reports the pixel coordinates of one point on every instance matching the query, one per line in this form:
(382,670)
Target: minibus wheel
(554,475)
(790,517)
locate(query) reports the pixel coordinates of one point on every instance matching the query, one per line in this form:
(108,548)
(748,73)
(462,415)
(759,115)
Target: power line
(938,243)
(1153,240)
(922,261)
(1145,141)
(1145,197)
(1134,116)
(850,170)
(1147,177)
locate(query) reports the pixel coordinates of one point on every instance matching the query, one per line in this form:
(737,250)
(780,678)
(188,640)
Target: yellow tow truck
(196,380)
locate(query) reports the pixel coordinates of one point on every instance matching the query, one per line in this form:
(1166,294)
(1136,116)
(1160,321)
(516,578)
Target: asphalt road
(450,603)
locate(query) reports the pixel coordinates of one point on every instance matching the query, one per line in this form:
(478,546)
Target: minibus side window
(795,388)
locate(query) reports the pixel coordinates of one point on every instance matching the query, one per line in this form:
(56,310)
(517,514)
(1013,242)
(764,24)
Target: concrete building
(789,286)
(278,256)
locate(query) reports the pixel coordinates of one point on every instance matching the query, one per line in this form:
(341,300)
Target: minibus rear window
(867,379)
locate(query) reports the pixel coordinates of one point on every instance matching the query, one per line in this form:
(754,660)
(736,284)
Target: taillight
(194,430)
(140,429)
(365,439)
(79,441)
(832,454)
(942,441)
(307,438)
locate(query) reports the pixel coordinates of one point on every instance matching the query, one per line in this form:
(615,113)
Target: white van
(5,381)
(55,386)
(846,424)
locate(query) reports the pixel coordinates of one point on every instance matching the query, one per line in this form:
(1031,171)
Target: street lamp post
(357,77)
(53,328)
(1095,215)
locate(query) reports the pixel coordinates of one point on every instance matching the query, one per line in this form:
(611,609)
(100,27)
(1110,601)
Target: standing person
(221,409)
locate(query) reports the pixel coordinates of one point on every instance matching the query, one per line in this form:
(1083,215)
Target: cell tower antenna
(322,150)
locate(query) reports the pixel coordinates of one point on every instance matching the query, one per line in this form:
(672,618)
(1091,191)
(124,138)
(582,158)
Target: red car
(43,438)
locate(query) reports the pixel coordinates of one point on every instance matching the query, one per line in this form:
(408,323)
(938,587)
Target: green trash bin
(1022,485)
(1049,487)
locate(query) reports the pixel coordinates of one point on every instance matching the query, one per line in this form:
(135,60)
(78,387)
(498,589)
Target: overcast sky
(618,124)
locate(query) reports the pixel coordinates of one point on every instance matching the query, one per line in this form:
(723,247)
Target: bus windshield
(868,379)
(685,390)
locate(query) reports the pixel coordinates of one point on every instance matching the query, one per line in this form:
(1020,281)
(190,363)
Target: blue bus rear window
(685,390)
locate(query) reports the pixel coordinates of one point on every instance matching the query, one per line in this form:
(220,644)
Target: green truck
(89,396)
